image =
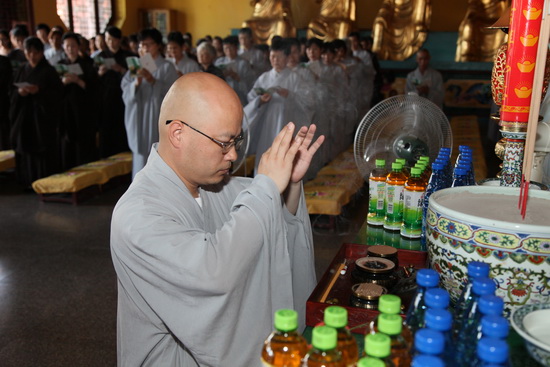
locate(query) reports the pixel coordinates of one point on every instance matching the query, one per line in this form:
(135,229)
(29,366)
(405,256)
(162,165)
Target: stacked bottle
(337,318)
(379,346)
(439,319)
(391,305)
(323,352)
(377,193)
(395,185)
(392,326)
(285,346)
(425,279)
(414,190)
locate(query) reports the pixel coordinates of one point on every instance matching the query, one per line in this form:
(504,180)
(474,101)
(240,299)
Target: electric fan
(403,126)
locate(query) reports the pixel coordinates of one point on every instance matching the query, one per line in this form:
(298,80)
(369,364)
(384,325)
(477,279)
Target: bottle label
(377,194)
(394,209)
(412,213)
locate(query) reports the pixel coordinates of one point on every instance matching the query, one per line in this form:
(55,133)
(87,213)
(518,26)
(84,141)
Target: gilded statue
(334,21)
(270,18)
(476,42)
(400,28)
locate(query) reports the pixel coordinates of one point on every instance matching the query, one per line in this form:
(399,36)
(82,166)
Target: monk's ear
(175,133)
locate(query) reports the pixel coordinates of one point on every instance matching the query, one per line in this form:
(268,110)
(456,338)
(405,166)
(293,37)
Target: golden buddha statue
(476,41)
(270,18)
(400,28)
(334,21)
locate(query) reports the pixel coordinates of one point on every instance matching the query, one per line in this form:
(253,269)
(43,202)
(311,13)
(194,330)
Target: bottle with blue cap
(427,361)
(436,182)
(472,318)
(439,319)
(461,177)
(492,352)
(494,326)
(475,269)
(425,279)
(428,342)
(437,298)
(323,352)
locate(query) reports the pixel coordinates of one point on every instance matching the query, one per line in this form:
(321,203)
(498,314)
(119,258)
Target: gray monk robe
(204,283)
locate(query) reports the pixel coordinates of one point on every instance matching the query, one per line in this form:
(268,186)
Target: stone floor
(58,285)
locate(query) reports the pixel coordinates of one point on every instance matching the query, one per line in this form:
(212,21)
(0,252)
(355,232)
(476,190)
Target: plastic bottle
(323,352)
(475,269)
(441,320)
(337,318)
(422,360)
(390,304)
(494,326)
(436,182)
(377,193)
(429,342)
(392,325)
(395,184)
(405,166)
(285,346)
(492,351)
(437,298)
(370,362)
(425,279)
(471,319)
(461,177)
(379,346)
(413,202)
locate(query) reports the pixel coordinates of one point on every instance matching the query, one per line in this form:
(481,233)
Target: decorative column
(523,38)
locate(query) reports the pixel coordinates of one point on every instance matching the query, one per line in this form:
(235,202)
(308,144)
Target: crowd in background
(66,100)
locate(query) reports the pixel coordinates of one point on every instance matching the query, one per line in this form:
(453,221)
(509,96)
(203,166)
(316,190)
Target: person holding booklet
(176,55)
(112,133)
(78,125)
(143,93)
(34,114)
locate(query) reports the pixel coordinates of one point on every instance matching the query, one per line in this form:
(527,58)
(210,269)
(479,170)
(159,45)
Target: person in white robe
(254,56)
(278,96)
(367,90)
(176,55)
(55,53)
(203,260)
(142,95)
(426,81)
(237,71)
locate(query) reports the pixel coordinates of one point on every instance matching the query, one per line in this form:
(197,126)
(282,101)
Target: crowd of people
(66,100)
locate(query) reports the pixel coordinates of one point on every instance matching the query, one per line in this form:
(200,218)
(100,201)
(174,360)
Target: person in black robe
(6,78)
(78,125)
(112,132)
(34,113)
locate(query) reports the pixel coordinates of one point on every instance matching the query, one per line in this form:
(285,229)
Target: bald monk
(204,259)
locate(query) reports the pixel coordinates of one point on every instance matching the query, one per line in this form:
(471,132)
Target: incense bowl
(483,223)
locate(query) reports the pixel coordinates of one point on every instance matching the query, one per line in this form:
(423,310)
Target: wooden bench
(7,160)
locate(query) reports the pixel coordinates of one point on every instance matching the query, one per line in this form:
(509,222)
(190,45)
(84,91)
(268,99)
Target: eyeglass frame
(226,146)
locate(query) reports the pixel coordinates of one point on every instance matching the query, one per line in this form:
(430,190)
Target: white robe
(432,78)
(266,120)
(185,65)
(367,89)
(243,69)
(204,283)
(257,59)
(143,108)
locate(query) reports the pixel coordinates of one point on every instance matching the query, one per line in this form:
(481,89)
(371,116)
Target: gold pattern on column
(400,28)
(335,20)
(270,18)
(477,42)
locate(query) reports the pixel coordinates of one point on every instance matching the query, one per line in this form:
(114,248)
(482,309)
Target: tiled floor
(58,285)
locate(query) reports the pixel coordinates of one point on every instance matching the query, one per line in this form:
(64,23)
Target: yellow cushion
(70,181)
(107,168)
(7,160)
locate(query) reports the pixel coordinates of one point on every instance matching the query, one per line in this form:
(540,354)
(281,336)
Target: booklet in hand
(146,61)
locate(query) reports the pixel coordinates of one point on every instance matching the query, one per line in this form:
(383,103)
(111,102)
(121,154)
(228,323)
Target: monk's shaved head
(196,98)
(203,102)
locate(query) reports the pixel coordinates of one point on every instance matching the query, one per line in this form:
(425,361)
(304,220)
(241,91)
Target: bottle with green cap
(370,362)
(395,184)
(337,317)
(390,304)
(413,194)
(377,193)
(392,325)
(323,353)
(285,347)
(405,166)
(379,346)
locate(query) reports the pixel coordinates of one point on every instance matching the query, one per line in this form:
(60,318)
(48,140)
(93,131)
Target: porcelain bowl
(532,323)
(517,251)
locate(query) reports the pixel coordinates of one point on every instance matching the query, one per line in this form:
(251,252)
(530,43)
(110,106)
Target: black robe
(35,119)
(79,120)
(112,132)
(6,78)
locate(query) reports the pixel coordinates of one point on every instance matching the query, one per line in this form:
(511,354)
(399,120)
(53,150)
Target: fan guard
(403,126)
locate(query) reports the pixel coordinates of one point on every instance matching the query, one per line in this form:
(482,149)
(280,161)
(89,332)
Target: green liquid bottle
(377,193)
(392,325)
(390,304)
(414,191)
(337,317)
(379,346)
(323,352)
(285,347)
(406,169)
(395,185)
